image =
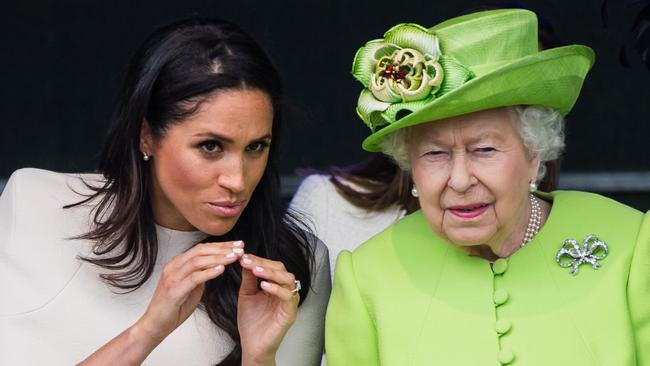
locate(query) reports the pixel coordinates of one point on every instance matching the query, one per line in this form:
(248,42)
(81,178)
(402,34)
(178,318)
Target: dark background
(62,64)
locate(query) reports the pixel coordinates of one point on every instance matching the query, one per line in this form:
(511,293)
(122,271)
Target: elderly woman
(490,270)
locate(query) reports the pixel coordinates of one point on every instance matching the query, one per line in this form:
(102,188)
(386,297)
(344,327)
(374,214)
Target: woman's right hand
(181,286)
(178,293)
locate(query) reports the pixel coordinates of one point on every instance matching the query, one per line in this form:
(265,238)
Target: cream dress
(54,310)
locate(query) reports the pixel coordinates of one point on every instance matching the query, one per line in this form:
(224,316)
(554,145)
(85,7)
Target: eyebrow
(228,140)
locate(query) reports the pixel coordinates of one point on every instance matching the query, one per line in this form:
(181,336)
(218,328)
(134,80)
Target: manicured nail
(266,284)
(238,250)
(238,243)
(230,255)
(247,261)
(259,269)
(218,268)
(245,256)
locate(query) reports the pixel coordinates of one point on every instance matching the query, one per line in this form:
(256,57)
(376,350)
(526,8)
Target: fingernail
(230,255)
(238,250)
(238,243)
(246,256)
(218,268)
(247,261)
(259,269)
(265,284)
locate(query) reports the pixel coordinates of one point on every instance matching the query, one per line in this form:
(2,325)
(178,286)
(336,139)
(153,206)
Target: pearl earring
(145,157)
(414,191)
(532,187)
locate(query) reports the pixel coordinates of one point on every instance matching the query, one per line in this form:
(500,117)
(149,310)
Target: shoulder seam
(48,301)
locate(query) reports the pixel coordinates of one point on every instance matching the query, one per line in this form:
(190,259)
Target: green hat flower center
(405,75)
(392,71)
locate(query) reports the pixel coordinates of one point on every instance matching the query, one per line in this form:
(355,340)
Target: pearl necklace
(534,221)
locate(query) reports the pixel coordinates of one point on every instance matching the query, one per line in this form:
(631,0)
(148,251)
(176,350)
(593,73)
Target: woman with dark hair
(113,259)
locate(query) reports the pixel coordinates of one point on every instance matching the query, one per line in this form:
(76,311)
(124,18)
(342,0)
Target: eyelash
(434,152)
(487,149)
(211,147)
(262,145)
(478,150)
(203,146)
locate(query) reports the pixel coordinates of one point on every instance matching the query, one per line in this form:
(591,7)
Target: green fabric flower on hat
(403,72)
(405,75)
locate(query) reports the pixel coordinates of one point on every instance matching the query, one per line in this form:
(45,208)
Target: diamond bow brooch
(571,254)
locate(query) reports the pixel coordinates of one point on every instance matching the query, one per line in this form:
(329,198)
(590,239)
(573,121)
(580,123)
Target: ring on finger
(297,287)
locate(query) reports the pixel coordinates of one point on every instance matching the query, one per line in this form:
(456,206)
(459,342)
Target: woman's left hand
(264,313)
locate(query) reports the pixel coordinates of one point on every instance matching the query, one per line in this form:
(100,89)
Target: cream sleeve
(36,257)
(311,202)
(303,344)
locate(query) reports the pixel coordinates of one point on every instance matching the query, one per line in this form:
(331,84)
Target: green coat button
(500,297)
(502,326)
(506,356)
(499,266)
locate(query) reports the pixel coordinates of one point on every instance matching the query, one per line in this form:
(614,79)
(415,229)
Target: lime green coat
(407,297)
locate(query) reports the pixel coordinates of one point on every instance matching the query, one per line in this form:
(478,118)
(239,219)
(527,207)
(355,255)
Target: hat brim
(551,78)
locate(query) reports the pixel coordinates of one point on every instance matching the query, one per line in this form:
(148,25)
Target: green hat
(474,62)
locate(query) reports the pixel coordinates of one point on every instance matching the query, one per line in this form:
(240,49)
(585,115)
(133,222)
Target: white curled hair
(541,129)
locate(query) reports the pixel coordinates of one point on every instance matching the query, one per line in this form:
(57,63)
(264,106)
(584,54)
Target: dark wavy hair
(377,184)
(176,69)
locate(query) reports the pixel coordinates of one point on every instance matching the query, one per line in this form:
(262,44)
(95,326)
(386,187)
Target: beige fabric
(54,310)
(337,222)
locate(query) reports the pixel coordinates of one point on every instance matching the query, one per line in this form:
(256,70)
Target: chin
(216,227)
(468,239)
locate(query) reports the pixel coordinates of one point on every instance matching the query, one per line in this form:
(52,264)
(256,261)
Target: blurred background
(62,63)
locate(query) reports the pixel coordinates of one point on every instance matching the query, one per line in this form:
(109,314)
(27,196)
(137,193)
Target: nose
(461,178)
(232,177)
